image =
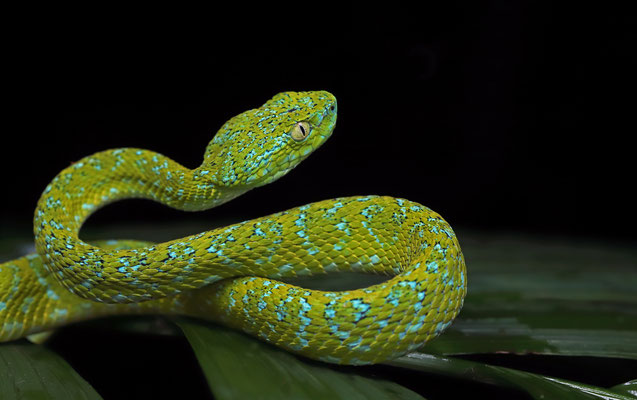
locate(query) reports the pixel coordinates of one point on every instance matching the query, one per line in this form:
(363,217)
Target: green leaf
(627,388)
(32,372)
(510,336)
(538,386)
(544,297)
(239,367)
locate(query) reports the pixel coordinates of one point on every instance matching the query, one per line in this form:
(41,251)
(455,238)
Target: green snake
(233,275)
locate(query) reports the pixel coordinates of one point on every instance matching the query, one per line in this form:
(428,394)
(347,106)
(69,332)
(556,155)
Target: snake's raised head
(261,145)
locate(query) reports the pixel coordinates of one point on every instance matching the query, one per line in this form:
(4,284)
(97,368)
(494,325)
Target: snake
(236,275)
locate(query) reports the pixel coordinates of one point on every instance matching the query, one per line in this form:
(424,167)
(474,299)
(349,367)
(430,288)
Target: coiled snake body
(230,274)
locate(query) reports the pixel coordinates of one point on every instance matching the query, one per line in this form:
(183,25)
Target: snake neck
(108,176)
(97,180)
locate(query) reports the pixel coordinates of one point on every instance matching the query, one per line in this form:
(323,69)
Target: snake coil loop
(232,274)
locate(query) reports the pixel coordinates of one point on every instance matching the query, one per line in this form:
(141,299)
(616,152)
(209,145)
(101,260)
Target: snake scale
(232,275)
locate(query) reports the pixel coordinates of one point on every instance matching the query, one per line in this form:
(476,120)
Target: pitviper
(233,274)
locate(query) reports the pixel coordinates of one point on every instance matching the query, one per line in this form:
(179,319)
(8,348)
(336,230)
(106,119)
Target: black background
(501,115)
(497,114)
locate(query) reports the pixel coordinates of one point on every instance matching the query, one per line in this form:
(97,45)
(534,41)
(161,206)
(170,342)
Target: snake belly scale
(231,274)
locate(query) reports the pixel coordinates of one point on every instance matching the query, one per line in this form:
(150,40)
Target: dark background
(500,115)
(510,116)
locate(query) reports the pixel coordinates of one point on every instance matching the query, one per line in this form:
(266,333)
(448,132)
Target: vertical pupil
(302,129)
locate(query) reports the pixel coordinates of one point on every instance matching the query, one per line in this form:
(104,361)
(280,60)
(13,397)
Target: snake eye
(301,131)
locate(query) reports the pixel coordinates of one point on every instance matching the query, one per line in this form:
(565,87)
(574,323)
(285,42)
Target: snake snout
(332,107)
(328,117)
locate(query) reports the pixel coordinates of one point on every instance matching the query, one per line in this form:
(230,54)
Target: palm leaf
(542,297)
(538,386)
(32,372)
(239,367)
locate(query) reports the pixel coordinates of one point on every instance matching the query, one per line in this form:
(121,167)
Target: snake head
(261,145)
